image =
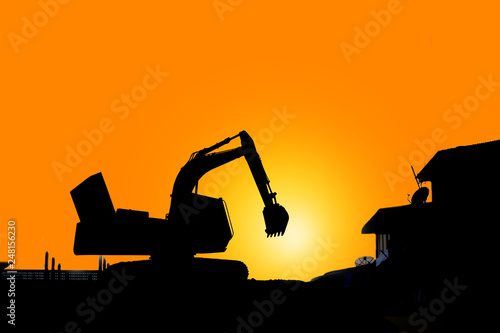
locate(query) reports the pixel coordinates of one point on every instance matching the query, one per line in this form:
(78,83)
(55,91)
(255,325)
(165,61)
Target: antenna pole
(416,179)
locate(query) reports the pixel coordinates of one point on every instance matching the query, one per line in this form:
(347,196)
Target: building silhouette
(450,238)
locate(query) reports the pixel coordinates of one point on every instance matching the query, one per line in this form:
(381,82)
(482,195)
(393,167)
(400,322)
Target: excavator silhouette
(195,223)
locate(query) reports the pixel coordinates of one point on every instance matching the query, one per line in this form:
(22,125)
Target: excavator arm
(201,162)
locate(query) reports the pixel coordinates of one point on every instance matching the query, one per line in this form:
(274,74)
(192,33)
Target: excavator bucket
(276,218)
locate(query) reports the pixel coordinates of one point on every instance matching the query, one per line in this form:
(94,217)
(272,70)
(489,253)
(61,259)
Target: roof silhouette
(461,160)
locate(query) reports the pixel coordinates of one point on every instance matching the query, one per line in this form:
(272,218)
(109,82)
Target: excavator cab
(208,224)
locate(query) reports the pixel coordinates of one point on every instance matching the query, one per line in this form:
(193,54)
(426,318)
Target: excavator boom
(201,162)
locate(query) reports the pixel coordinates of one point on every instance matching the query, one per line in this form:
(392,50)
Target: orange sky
(337,96)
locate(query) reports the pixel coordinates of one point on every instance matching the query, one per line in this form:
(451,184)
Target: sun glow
(297,239)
